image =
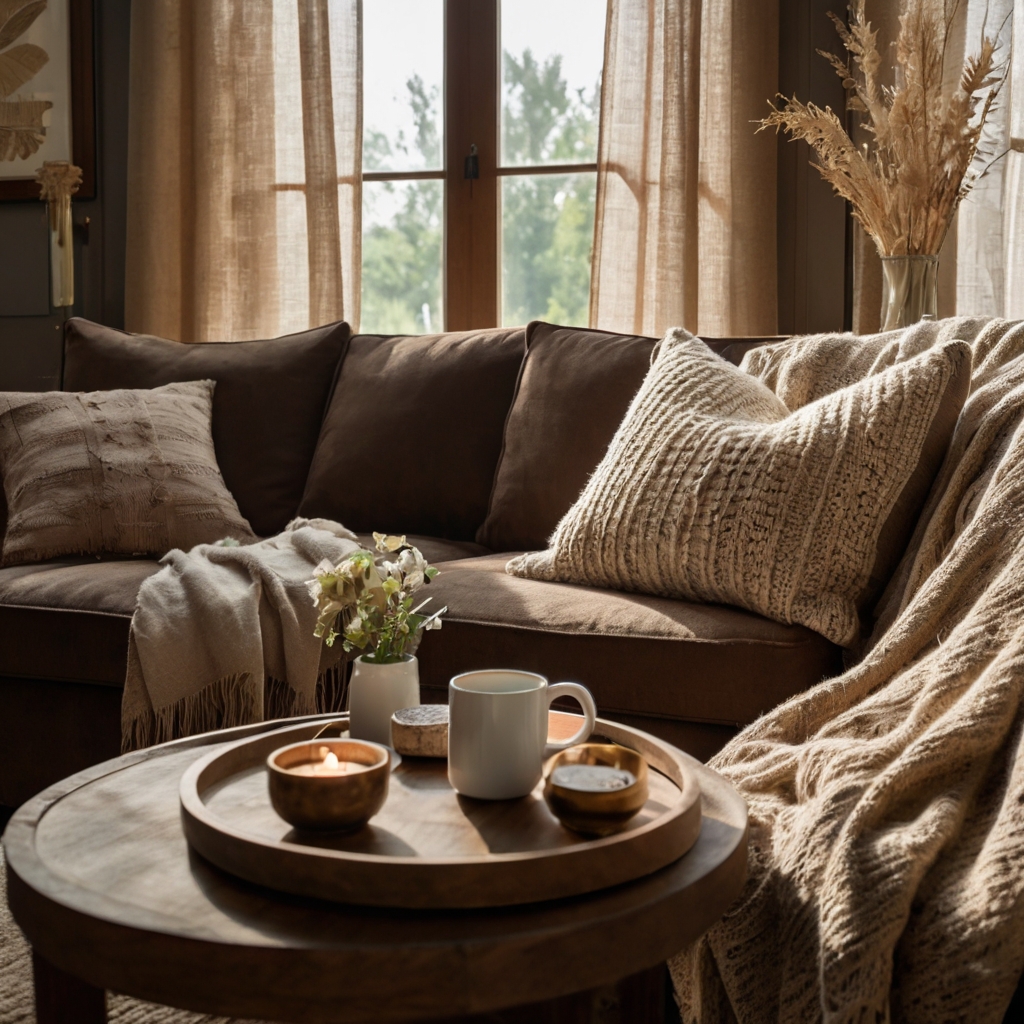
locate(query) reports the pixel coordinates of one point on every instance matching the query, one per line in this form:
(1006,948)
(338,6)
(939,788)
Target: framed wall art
(46,92)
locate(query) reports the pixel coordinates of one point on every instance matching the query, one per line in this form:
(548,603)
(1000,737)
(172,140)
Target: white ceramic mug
(498,730)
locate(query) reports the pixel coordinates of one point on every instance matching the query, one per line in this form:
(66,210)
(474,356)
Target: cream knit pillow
(119,472)
(712,490)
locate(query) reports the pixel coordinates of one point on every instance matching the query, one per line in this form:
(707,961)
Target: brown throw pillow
(117,472)
(712,490)
(267,409)
(574,388)
(413,432)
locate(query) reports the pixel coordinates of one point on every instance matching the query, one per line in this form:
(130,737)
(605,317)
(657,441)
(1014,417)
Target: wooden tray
(428,847)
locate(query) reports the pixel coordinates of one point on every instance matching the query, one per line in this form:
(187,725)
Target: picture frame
(63,29)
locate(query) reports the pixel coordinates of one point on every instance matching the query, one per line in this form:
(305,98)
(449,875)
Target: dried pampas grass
(906,184)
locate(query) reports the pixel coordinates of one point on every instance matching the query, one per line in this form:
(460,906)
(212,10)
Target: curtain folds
(686,199)
(244,160)
(989,249)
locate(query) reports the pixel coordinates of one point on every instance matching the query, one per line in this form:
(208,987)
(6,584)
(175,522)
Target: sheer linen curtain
(244,164)
(684,228)
(990,230)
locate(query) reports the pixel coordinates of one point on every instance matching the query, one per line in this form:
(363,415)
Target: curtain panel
(684,228)
(244,164)
(988,253)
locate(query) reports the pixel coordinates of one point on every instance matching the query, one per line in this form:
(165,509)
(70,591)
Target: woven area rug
(17,1002)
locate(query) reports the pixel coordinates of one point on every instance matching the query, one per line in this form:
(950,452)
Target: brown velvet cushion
(574,388)
(413,432)
(267,408)
(638,654)
(125,472)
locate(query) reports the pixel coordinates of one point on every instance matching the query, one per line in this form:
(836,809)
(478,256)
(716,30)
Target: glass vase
(909,290)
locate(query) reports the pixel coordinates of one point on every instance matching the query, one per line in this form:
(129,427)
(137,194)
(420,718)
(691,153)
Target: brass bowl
(588,809)
(329,802)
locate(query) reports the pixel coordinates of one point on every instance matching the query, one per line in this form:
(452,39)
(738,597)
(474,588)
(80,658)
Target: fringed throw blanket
(886,878)
(223,636)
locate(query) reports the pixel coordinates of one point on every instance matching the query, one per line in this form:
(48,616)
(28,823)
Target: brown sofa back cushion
(413,432)
(267,407)
(574,388)
(573,391)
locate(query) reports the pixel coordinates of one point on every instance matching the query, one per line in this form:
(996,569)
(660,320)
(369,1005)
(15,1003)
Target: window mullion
(472,96)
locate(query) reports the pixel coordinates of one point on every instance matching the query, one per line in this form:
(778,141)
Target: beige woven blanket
(223,636)
(886,878)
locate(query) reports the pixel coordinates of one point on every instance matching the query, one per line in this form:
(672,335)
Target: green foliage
(402,260)
(547,220)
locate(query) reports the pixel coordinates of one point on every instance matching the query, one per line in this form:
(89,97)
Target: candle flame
(330,765)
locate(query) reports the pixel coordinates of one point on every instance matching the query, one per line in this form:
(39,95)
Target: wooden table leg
(62,998)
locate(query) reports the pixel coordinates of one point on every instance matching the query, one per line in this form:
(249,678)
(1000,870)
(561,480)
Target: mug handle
(586,700)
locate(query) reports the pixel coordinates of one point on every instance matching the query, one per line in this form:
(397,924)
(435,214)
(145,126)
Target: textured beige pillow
(712,490)
(120,472)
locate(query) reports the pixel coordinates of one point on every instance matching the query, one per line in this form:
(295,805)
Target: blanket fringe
(231,701)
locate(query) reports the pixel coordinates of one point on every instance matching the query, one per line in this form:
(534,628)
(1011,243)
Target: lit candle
(329,766)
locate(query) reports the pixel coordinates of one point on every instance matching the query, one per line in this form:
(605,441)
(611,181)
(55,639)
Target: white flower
(412,560)
(413,581)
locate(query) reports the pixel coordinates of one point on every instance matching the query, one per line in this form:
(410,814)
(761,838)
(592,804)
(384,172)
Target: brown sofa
(474,444)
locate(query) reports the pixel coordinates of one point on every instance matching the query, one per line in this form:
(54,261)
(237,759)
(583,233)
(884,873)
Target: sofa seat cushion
(68,619)
(638,654)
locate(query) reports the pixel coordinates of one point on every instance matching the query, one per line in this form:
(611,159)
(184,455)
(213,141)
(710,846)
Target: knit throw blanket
(886,872)
(223,636)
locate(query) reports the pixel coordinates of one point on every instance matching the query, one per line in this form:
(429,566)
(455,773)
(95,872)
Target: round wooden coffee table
(109,894)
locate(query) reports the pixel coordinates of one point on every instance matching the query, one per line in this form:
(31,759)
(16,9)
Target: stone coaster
(421,731)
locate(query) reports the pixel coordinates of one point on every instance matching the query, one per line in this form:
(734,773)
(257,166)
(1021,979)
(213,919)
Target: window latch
(471,167)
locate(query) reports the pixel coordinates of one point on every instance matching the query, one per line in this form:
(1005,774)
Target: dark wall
(30,330)
(812,219)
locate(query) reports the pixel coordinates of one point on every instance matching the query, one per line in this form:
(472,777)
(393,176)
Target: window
(521,84)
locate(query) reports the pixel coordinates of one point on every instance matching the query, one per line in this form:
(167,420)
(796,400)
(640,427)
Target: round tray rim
(202,826)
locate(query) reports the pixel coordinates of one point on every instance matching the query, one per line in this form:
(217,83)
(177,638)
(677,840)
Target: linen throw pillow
(118,472)
(712,490)
(267,409)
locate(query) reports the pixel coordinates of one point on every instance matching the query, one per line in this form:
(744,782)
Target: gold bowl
(595,802)
(312,792)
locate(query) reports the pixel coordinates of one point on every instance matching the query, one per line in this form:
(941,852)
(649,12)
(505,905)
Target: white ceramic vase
(376,692)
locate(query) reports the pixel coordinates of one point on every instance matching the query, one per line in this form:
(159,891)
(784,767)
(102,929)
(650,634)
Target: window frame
(471,250)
